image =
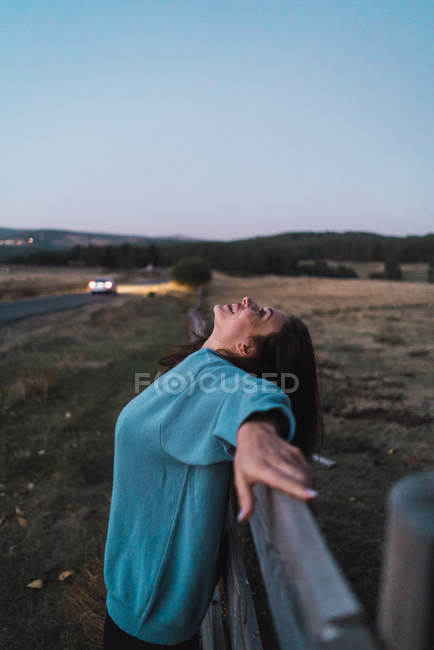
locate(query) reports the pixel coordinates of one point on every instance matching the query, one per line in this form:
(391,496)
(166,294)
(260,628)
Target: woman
(223,404)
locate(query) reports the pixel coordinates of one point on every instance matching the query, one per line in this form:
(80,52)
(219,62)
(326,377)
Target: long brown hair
(287,352)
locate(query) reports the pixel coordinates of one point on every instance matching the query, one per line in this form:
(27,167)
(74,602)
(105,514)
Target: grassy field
(64,379)
(374,344)
(25,281)
(66,376)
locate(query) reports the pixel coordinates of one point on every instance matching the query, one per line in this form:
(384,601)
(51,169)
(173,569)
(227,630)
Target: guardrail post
(406,603)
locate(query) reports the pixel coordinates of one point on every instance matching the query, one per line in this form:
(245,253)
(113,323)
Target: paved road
(18,309)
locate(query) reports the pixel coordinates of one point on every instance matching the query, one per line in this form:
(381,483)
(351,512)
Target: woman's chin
(220,313)
(222,309)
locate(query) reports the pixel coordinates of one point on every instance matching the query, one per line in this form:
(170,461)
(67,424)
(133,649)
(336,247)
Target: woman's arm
(262,455)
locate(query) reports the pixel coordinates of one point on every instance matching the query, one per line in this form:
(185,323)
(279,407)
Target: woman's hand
(263,456)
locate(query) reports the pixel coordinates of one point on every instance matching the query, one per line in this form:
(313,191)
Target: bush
(345,272)
(191,271)
(392,271)
(320,268)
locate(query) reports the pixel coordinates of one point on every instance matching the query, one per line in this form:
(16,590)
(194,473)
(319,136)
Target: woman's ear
(245,348)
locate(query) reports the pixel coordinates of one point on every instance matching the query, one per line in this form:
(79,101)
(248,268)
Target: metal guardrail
(312,604)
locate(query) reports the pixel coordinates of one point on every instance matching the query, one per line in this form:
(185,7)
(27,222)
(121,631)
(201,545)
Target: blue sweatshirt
(173,452)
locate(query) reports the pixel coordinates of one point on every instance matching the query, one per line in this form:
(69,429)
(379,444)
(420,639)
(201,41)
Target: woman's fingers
(263,456)
(275,479)
(295,455)
(284,477)
(246,499)
(288,481)
(289,470)
(289,460)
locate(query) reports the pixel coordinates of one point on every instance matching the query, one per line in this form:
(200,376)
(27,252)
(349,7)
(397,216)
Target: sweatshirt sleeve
(206,430)
(235,411)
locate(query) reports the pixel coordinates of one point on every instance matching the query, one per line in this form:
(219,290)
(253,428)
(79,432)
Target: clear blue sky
(217,119)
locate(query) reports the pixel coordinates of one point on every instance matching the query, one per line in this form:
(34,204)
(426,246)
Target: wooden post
(212,631)
(242,621)
(406,604)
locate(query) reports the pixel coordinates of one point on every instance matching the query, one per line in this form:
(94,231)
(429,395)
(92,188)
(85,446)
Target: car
(102,285)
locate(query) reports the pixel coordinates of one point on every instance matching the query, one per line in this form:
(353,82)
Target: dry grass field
(375,348)
(64,378)
(26,281)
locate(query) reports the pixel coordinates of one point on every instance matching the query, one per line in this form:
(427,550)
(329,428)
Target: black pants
(117,639)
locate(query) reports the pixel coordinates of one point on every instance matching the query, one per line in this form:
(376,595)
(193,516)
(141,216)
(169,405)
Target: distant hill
(14,241)
(277,253)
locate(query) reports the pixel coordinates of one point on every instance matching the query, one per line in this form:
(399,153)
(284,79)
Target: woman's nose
(247,302)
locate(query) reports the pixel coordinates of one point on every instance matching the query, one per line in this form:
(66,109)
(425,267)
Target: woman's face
(237,323)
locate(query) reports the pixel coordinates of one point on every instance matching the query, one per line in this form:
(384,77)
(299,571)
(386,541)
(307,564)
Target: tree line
(286,254)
